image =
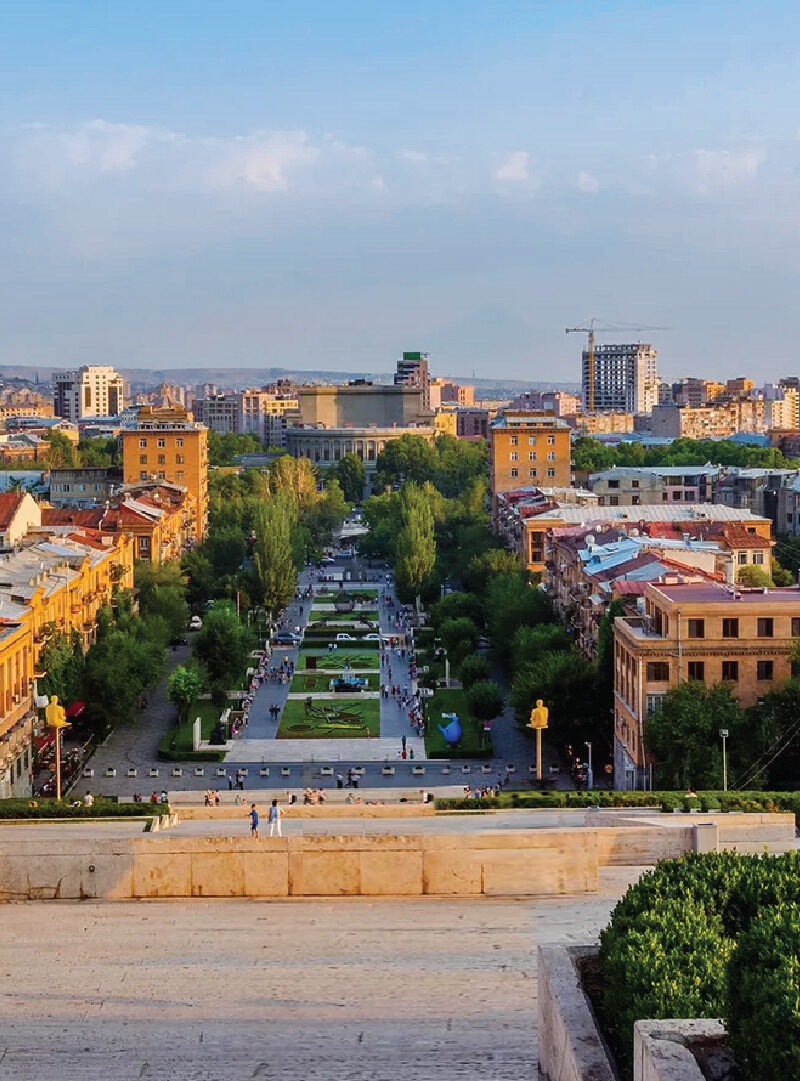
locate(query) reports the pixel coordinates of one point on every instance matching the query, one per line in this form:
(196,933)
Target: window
(697,628)
(657,671)
(142,442)
(764,669)
(551,455)
(531,455)
(551,440)
(742,558)
(161,476)
(676,495)
(551,472)
(664,497)
(162,459)
(613,484)
(730,628)
(613,501)
(764,628)
(697,671)
(531,440)
(161,443)
(514,455)
(514,472)
(179,442)
(179,459)
(531,472)
(143,475)
(180,476)
(758,559)
(795,627)
(634,484)
(514,440)
(654,703)
(730,671)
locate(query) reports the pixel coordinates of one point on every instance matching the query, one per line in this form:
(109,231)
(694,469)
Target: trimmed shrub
(669,804)
(36,807)
(709,803)
(690,804)
(762,1012)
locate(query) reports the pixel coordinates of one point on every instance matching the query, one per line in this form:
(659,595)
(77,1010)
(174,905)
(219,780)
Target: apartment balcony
(16,708)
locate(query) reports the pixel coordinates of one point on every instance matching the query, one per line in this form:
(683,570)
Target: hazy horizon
(187,186)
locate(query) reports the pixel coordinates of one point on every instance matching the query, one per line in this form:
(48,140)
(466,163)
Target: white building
(625,378)
(94,390)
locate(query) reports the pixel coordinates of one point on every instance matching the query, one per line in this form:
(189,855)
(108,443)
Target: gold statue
(55,714)
(56,718)
(539,717)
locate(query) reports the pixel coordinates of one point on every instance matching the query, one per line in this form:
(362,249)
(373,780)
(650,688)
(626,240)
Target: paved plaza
(414,990)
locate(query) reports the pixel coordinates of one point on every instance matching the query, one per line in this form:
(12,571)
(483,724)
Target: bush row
(101,808)
(764,802)
(713,935)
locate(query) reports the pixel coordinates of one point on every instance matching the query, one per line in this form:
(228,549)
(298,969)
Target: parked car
(341,637)
(287,638)
(327,561)
(195,623)
(372,638)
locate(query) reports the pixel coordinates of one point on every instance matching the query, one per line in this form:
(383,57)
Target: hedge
(101,808)
(672,950)
(749,802)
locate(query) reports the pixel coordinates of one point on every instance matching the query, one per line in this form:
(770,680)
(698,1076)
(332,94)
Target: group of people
(274,819)
(313,796)
(212,798)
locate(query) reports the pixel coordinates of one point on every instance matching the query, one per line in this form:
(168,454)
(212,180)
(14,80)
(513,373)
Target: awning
(76,709)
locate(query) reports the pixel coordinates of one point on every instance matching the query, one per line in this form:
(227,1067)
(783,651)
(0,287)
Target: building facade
(167,446)
(95,390)
(361,403)
(413,371)
(625,378)
(528,448)
(326,446)
(702,632)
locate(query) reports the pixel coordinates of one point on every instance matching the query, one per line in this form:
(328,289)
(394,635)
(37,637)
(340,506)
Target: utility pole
(589,773)
(724,733)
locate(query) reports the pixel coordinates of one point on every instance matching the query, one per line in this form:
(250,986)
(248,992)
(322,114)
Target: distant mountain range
(237,378)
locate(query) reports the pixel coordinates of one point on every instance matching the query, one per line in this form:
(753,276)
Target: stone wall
(524,863)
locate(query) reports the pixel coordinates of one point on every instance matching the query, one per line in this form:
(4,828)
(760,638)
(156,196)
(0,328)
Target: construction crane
(590,331)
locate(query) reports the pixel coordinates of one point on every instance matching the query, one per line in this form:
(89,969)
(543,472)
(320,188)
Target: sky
(325,183)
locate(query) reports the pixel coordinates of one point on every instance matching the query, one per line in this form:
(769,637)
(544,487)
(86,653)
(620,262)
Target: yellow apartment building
(702,631)
(529,448)
(167,446)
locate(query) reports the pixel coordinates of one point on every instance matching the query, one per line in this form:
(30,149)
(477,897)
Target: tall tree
(184,688)
(352,476)
(415,548)
(275,571)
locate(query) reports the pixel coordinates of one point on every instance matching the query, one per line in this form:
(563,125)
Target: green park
(318,718)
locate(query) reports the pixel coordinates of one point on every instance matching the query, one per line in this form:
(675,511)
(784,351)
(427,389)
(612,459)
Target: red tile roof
(9,504)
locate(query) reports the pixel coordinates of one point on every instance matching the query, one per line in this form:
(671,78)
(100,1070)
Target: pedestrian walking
(275,819)
(253,816)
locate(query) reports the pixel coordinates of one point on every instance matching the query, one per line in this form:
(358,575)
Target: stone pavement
(416,990)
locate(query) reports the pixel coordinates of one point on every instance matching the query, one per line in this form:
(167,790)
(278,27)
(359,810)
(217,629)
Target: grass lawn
(334,660)
(367,616)
(309,683)
(178,740)
(326,719)
(352,594)
(470,744)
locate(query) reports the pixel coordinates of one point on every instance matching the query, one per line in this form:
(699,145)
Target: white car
(195,623)
(372,638)
(345,638)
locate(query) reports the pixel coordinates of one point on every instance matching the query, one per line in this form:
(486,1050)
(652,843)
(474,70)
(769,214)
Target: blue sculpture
(451,731)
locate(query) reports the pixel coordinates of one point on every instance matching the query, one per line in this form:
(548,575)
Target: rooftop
(530,420)
(651,512)
(717,593)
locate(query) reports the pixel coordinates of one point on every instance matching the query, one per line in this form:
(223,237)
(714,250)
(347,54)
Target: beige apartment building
(704,632)
(361,403)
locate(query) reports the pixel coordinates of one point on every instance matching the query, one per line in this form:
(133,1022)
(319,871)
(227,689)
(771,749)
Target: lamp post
(724,733)
(538,722)
(446,669)
(589,773)
(55,717)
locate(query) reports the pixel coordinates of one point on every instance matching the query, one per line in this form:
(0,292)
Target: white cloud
(726,168)
(264,161)
(588,183)
(514,168)
(416,157)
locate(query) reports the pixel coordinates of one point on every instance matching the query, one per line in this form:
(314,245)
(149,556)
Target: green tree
(488,564)
(275,571)
(485,700)
(529,644)
(62,659)
(223,647)
(459,637)
(162,593)
(511,602)
(98,453)
(566,682)
(409,458)
(684,734)
(415,547)
(755,577)
(184,688)
(61,454)
(226,547)
(351,475)
(199,573)
(474,668)
(455,605)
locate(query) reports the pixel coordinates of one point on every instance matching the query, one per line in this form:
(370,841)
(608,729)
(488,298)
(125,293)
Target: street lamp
(724,733)
(589,773)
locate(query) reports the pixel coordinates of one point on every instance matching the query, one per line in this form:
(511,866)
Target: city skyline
(186,190)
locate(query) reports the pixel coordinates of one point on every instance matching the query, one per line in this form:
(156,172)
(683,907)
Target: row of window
(765,627)
(532,473)
(514,456)
(162,459)
(179,478)
(514,440)
(658,671)
(162,442)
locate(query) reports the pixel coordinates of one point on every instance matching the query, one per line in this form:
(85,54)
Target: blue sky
(325,184)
